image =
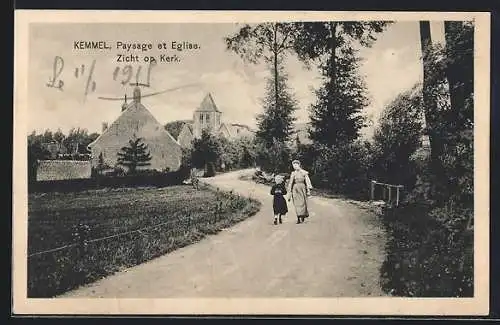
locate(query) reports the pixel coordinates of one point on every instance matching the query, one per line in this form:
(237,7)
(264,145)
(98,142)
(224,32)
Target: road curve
(337,252)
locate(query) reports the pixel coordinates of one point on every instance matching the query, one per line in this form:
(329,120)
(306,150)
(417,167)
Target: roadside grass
(104,231)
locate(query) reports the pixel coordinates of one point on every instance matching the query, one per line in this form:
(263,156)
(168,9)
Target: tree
(276,122)
(175,127)
(397,138)
(450,87)
(274,158)
(205,152)
(58,136)
(227,153)
(135,155)
(35,152)
(335,117)
(459,53)
(430,102)
(270,41)
(247,157)
(78,139)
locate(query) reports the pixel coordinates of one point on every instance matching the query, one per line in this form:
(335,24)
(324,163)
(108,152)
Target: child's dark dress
(279,202)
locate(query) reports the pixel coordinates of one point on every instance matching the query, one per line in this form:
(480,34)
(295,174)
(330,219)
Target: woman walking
(299,188)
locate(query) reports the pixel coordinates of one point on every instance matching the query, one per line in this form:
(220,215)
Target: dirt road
(337,252)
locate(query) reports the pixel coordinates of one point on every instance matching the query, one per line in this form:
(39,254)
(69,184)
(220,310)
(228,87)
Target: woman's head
(296,164)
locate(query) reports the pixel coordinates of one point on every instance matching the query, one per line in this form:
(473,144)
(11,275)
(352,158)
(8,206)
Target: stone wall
(50,170)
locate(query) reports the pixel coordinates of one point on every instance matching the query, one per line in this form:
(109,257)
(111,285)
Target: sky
(390,66)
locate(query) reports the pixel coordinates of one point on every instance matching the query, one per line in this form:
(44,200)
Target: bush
(343,169)
(427,255)
(143,178)
(274,158)
(397,139)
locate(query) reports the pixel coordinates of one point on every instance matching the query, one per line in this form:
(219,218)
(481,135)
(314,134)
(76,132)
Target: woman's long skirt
(299,198)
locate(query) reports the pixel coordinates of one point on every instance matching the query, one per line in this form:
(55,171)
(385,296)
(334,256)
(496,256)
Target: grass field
(103,231)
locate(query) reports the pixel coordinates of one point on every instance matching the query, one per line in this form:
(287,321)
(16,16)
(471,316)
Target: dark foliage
(175,127)
(142,178)
(336,116)
(205,152)
(135,155)
(431,251)
(276,121)
(342,170)
(397,139)
(274,158)
(425,257)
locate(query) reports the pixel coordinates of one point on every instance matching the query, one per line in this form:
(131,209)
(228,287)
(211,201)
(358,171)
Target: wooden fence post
(372,190)
(397,194)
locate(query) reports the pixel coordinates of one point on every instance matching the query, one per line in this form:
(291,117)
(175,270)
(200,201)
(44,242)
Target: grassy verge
(168,218)
(427,257)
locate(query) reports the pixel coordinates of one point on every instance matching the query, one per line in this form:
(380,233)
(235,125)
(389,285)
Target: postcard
(245,163)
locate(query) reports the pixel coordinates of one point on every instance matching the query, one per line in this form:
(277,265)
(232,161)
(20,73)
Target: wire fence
(98,239)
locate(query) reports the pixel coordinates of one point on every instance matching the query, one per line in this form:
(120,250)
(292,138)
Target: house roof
(232,128)
(187,126)
(207,105)
(132,110)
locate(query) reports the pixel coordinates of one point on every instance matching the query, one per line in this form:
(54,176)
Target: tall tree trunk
(430,104)
(333,46)
(457,96)
(275,50)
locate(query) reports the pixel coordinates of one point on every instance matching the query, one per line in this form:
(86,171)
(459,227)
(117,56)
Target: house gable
(137,121)
(185,136)
(225,131)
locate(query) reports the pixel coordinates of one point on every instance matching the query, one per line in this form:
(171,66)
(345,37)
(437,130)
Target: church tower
(206,117)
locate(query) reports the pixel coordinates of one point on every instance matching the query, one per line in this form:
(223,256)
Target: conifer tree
(276,122)
(136,154)
(336,117)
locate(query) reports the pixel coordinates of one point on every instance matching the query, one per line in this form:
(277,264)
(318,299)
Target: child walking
(278,190)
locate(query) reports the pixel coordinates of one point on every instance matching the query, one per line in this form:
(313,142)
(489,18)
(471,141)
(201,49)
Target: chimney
(124,105)
(104,126)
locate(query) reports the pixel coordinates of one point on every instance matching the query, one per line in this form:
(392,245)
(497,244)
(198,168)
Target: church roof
(208,105)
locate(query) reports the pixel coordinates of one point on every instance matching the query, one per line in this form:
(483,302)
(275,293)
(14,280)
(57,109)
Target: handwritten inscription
(136,61)
(125,75)
(128,72)
(57,69)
